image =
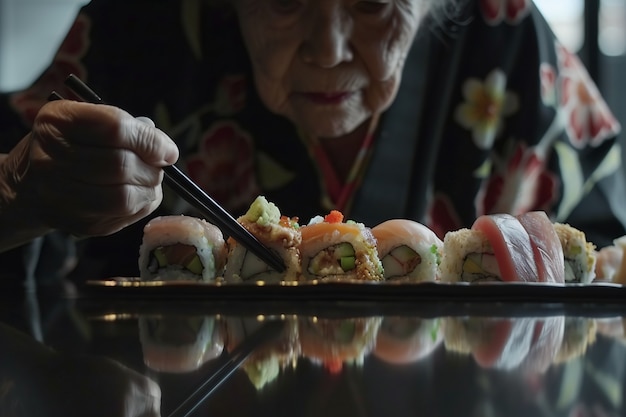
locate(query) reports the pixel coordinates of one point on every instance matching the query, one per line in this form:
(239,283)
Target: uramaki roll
(334,250)
(579,254)
(501,247)
(279,233)
(181,247)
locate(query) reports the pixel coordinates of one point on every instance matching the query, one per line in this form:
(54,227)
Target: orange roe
(335,216)
(289,222)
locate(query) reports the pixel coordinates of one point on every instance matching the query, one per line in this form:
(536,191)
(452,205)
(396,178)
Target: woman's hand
(86,169)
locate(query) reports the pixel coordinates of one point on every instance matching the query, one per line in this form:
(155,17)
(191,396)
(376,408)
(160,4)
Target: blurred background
(31,30)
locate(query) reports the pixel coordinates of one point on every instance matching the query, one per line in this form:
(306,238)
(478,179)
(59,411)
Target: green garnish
(262,212)
(435,251)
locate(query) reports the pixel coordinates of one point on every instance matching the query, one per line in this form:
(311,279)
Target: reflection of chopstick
(193,194)
(267,332)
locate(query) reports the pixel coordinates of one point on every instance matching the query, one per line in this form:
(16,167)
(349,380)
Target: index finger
(100,125)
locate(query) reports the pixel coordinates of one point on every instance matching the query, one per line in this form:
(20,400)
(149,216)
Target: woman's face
(328,65)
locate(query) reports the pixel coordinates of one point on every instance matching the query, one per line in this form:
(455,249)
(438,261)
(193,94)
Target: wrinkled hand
(89,169)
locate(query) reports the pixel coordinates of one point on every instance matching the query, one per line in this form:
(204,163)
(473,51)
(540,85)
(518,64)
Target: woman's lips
(332,98)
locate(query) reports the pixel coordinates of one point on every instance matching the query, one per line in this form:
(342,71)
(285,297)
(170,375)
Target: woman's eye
(371,6)
(286,6)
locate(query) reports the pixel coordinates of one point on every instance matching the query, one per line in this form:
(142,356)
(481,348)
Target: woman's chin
(330,127)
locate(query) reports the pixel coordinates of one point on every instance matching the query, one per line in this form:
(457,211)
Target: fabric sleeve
(528,125)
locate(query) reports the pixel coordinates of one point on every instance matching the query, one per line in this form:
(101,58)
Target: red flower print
(231,95)
(523,185)
(224,165)
(589,120)
(442,216)
(511,11)
(67,61)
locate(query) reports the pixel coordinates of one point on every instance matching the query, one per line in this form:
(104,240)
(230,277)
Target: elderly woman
(438,111)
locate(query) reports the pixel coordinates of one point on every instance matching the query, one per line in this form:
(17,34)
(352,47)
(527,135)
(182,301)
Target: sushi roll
(408,250)
(469,257)
(181,248)
(334,250)
(279,233)
(579,254)
(179,344)
(501,247)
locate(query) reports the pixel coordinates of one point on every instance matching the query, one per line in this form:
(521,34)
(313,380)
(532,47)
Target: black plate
(388,292)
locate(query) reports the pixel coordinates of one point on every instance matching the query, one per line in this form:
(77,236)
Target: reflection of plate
(365,292)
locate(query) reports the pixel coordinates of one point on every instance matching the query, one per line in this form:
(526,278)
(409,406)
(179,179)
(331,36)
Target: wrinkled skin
(85,169)
(328,65)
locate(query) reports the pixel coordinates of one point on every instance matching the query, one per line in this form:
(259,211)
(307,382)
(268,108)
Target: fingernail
(171,154)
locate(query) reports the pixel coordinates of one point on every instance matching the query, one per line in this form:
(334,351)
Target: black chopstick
(266,333)
(190,191)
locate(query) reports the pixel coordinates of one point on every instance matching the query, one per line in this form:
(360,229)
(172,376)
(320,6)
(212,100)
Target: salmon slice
(331,231)
(546,246)
(511,246)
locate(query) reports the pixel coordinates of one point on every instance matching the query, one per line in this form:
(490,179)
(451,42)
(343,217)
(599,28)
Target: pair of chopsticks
(190,191)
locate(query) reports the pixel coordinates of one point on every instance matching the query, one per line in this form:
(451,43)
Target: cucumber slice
(343,249)
(404,254)
(160,257)
(347,263)
(195,265)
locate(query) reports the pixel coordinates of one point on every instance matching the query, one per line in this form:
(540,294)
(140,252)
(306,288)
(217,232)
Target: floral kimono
(493,115)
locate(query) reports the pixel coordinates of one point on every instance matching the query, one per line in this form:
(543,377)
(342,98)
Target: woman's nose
(327,43)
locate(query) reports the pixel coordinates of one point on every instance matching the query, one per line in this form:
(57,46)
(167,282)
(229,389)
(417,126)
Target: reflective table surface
(199,352)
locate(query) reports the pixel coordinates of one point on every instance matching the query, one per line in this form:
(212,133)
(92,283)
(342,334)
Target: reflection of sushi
(408,250)
(179,344)
(181,247)
(268,360)
(336,250)
(580,332)
(279,233)
(506,343)
(402,340)
(332,342)
(613,327)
